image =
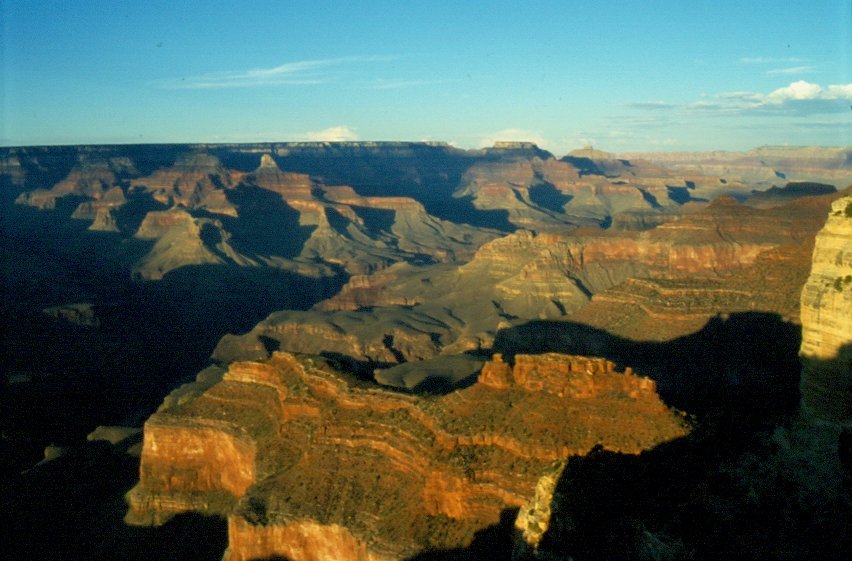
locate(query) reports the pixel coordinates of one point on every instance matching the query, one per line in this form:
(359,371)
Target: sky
(621,76)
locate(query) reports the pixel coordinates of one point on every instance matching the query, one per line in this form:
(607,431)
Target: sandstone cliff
(309,465)
(826,308)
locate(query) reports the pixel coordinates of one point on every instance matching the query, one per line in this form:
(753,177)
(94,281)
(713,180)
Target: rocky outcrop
(311,465)
(178,243)
(90,179)
(196,180)
(101,211)
(826,308)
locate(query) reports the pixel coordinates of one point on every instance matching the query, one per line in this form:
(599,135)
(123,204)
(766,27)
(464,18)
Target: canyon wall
(826,307)
(312,465)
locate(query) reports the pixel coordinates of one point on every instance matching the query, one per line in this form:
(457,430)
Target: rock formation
(769,253)
(826,308)
(307,464)
(652,285)
(90,179)
(196,180)
(763,167)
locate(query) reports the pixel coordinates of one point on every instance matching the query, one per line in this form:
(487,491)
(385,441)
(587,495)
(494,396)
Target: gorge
(412,351)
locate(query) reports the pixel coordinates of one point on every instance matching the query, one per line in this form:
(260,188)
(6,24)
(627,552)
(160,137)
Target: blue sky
(623,76)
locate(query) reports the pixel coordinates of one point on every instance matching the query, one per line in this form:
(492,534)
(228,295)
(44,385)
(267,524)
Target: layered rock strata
(652,285)
(668,303)
(309,465)
(826,307)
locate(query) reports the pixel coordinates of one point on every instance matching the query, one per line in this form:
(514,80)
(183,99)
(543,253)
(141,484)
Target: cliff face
(826,307)
(727,258)
(311,466)
(761,166)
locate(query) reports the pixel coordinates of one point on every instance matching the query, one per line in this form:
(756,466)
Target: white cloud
(797,98)
(339,133)
(300,72)
(796,90)
(840,91)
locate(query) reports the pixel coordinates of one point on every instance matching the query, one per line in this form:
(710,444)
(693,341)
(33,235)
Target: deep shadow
(747,361)
(650,199)
(266,225)
(734,488)
(586,166)
(152,335)
(361,369)
(376,220)
(129,216)
(493,543)
(72,508)
(547,196)
(680,195)
(462,211)
(428,174)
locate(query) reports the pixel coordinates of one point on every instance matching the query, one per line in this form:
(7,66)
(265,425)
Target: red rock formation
(322,468)
(728,258)
(195,180)
(90,179)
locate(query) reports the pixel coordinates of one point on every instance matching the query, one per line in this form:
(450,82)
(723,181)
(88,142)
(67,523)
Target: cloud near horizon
(797,98)
(339,133)
(513,135)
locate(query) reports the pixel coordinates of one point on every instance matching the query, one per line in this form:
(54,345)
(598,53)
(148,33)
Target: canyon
(400,350)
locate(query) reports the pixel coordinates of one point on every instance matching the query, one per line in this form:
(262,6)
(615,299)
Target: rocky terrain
(827,321)
(309,466)
(739,485)
(344,303)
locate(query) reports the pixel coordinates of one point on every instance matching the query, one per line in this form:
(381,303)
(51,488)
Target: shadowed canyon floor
(394,271)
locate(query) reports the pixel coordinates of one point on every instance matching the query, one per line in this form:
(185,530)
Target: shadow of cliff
(745,361)
(493,543)
(72,508)
(428,174)
(730,490)
(266,225)
(60,379)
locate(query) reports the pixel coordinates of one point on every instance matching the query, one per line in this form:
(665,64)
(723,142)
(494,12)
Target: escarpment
(826,304)
(309,464)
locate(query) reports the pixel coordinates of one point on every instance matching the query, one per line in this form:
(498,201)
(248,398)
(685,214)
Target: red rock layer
(326,469)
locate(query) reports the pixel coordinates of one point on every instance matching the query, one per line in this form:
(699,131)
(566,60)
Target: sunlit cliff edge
(826,308)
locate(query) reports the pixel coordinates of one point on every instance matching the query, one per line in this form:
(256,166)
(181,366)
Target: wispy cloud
(771,60)
(394,84)
(302,72)
(339,133)
(652,105)
(792,71)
